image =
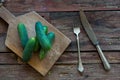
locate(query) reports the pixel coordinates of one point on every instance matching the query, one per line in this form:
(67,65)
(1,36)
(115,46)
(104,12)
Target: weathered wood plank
(60,72)
(100,21)
(66,58)
(61,5)
(105,25)
(3,48)
(12,42)
(43,14)
(4,27)
(8,58)
(88,57)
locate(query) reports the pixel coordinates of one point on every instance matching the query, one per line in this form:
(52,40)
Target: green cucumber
(42,54)
(37,45)
(28,50)
(45,28)
(51,37)
(22,32)
(42,38)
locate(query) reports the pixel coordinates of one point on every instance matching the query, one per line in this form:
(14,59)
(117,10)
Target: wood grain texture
(105,25)
(60,72)
(3,48)
(61,5)
(88,57)
(104,16)
(60,44)
(6,15)
(66,58)
(3,26)
(8,58)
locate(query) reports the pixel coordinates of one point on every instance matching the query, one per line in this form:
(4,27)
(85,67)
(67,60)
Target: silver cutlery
(76,30)
(93,38)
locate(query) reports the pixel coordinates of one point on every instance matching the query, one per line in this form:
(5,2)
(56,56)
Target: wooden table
(103,15)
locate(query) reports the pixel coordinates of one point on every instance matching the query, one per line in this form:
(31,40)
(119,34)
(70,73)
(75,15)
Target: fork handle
(80,66)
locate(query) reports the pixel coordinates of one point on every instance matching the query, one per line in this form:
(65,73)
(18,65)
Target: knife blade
(93,38)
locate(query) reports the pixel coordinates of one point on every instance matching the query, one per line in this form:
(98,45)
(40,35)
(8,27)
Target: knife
(93,39)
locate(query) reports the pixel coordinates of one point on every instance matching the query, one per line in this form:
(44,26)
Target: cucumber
(42,38)
(51,37)
(22,32)
(45,28)
(42,54)
(37,45)
(28,50)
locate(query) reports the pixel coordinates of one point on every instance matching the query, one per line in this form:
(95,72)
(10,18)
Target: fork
(76,30)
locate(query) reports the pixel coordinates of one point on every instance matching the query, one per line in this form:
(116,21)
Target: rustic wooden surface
(61,5)
(61,41)
(104,16)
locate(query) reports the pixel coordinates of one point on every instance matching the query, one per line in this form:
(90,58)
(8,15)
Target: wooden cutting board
(29,19)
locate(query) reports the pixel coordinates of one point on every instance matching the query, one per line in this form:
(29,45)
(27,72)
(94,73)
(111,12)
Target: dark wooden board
(105,24)
(12,41)
(60,72)
(4,28)
(66,58)
(61,5)
(106,12)
(3,48)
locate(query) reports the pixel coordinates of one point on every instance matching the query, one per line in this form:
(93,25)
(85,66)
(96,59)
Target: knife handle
(103,58)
